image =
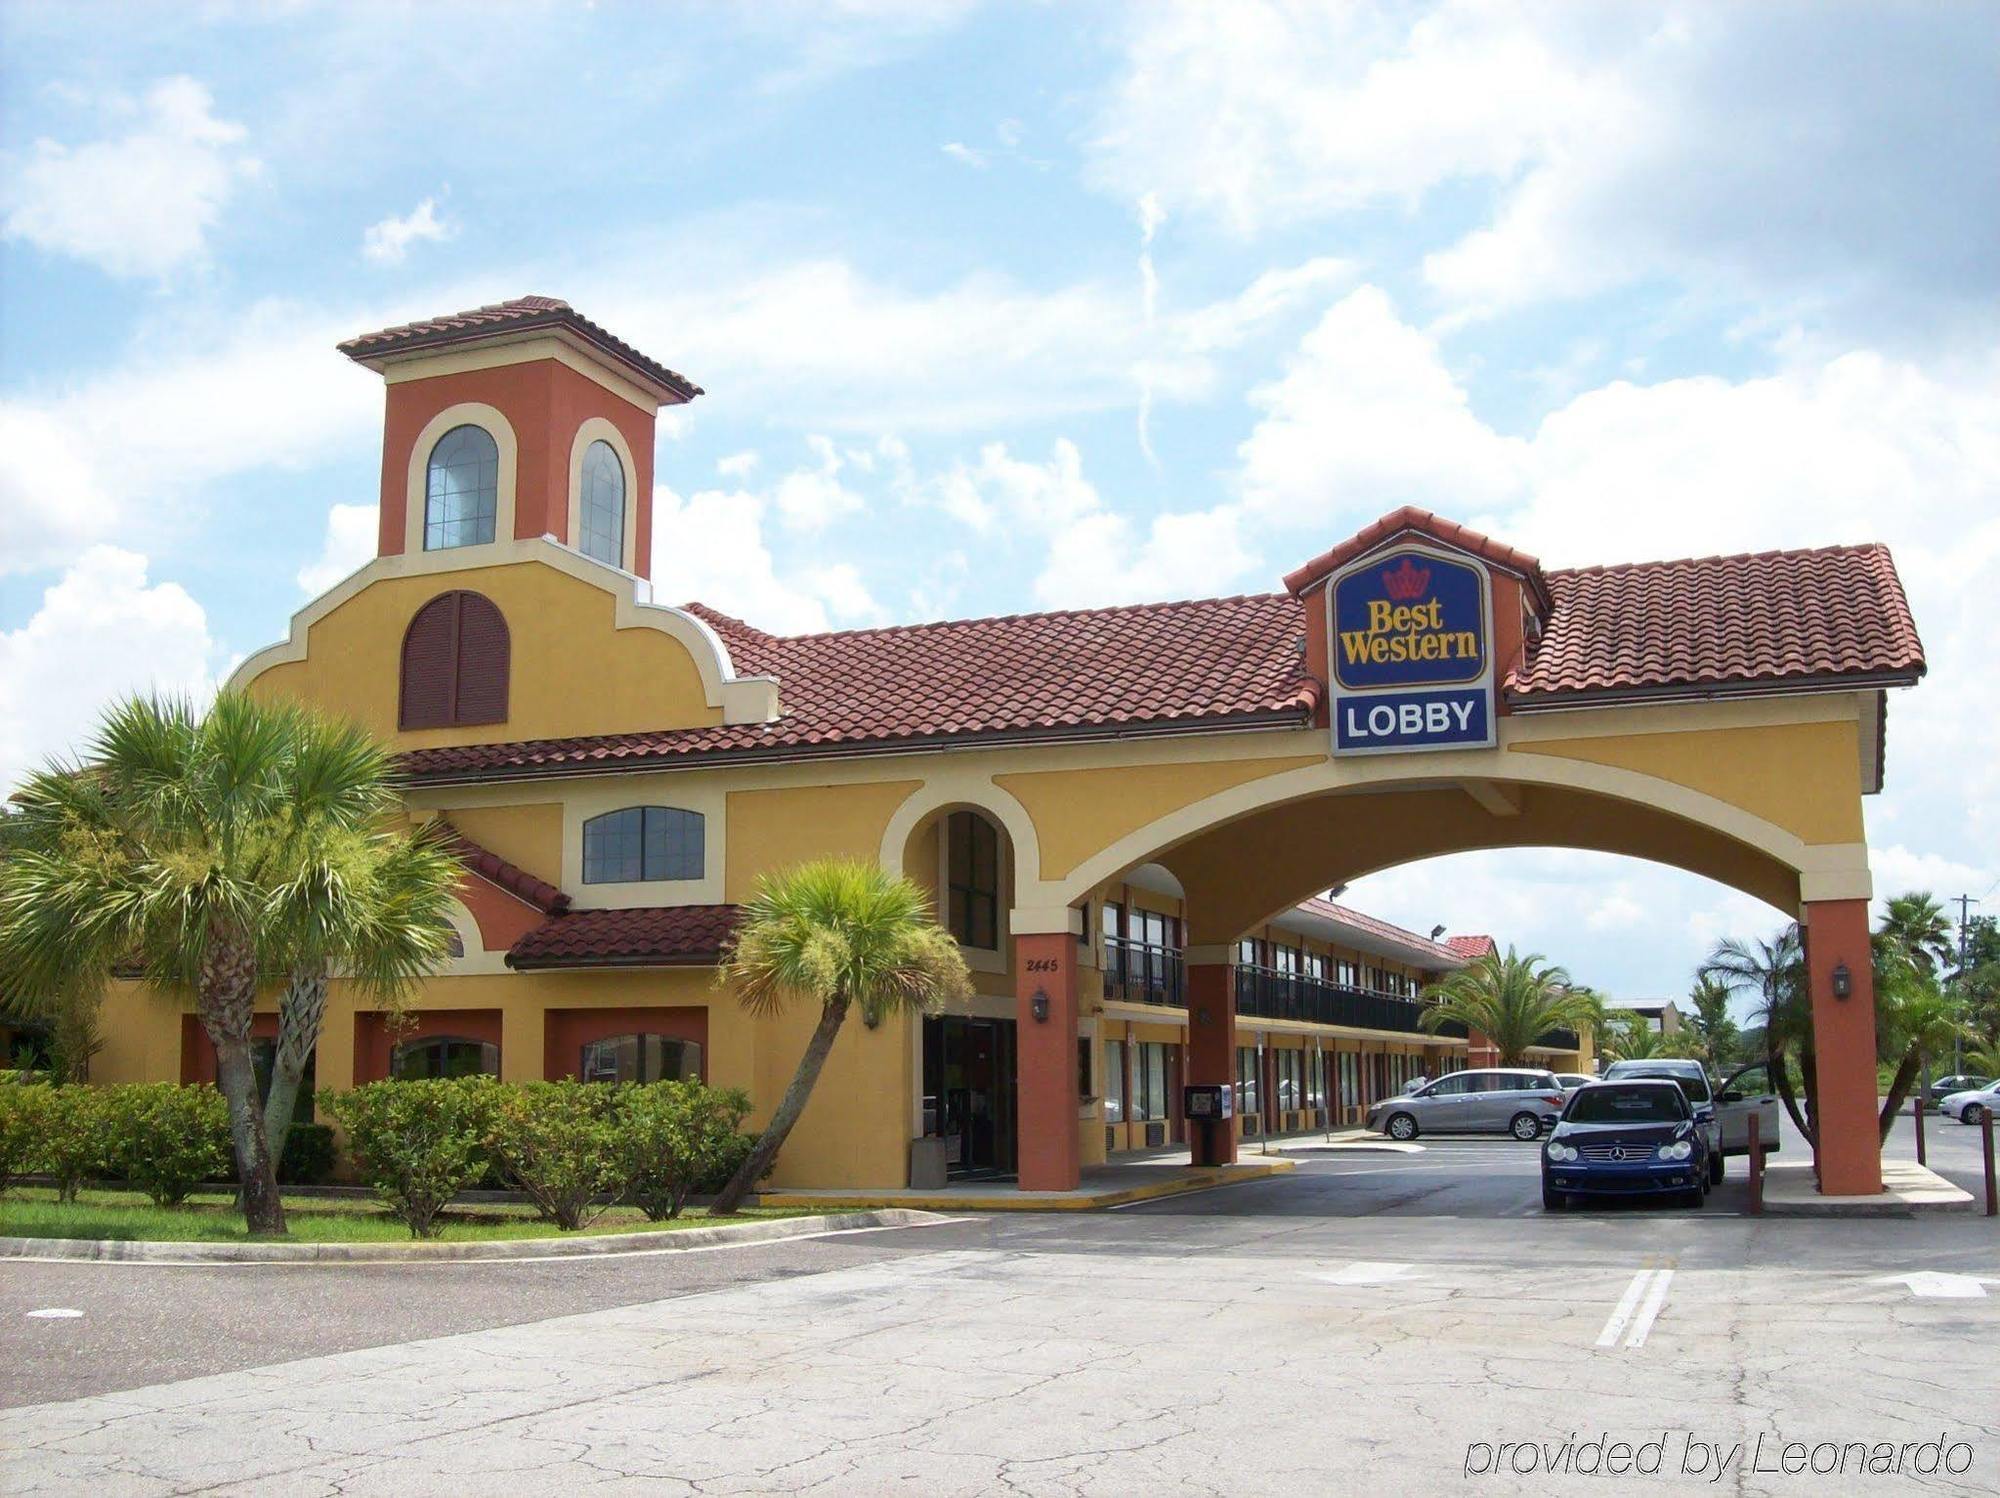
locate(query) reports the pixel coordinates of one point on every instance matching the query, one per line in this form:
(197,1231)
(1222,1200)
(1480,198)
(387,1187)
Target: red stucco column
(1850,1149)
(1045,1088)
(1211,1001)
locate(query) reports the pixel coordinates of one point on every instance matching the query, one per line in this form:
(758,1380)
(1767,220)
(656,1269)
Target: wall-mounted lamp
(1843,981)
(1039,1007)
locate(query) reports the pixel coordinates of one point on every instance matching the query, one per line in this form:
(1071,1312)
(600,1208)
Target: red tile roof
(519,315)
(1701,627)
(495,870)
(1219,660)
(649,936)
(1388,931)
(1411,521)
(1720,622)
(1473,948)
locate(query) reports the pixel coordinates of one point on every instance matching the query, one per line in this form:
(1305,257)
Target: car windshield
(1695,1086)
(1637,1104)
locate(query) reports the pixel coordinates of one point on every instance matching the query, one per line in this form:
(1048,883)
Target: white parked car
(1970,1107)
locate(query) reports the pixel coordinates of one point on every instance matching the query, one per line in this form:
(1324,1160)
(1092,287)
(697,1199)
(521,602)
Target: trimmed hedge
(574,1148)
(163,1138)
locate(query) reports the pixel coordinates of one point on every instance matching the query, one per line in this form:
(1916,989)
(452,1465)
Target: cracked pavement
(1197,1346)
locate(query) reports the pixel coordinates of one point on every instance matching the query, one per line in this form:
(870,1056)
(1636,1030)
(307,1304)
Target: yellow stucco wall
(1077,812)
(1805,777)
(529,837)
(573,672)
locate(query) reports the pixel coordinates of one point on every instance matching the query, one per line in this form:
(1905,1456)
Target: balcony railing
(1144,973)
(1265,993)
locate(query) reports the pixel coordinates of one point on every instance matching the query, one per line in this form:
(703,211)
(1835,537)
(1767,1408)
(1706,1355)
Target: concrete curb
(114,1250)
(1908,1190)
(1084,1199)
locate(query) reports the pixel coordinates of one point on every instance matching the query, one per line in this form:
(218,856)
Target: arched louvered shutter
(430,665)
(483,656)
(455,663)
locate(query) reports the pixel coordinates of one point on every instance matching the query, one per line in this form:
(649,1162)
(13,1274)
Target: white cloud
(736,465)
(1756,153)
(1095,555)
(1366,417)
(102,630)
(125,453)
(810,499)
(964,155)
(389,241)
(351,540)
(709,547)
(139,205)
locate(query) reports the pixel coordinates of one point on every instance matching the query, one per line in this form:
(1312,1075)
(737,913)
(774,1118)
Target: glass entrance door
(969,1093)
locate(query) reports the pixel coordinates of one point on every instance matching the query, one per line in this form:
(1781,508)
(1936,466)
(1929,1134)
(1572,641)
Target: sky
(1011,307)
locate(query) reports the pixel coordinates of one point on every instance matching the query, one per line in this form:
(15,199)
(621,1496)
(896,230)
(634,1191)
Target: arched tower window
(461,489)
(602,528)
(455,661)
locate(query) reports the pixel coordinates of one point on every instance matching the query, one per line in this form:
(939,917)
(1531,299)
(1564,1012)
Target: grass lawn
(211,1217)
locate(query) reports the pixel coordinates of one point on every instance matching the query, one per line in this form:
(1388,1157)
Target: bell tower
(513,421)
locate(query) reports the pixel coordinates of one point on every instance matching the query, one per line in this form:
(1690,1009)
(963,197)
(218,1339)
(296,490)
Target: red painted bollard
(1917,1112)
(1756,1167)
(1986,1139)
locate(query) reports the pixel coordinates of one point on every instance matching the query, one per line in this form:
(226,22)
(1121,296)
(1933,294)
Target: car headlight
(1678,1149)
(1561,1152)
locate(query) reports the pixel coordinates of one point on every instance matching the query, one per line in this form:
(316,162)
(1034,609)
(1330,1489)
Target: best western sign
(1409,632)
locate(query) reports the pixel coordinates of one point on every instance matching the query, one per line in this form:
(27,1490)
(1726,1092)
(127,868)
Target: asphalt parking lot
(1370,1321)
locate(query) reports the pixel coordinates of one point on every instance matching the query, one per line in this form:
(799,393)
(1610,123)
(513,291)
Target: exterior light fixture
(1039,1007)
(1843,981)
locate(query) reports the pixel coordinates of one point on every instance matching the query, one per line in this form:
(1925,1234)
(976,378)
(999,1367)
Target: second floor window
(643,843)
(972,877)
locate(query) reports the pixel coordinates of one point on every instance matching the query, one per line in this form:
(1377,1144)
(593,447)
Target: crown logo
(1406,582)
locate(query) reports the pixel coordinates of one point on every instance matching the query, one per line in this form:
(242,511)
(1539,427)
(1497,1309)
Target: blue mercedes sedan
(1633,1137)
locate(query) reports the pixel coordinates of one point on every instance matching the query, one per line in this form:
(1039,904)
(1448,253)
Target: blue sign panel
(1409,619)
(1412,720)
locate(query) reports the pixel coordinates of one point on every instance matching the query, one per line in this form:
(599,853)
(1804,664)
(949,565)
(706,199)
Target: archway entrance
(1464,700)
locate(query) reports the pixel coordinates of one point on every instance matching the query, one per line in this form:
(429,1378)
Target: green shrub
(676,1140)
(23,1105)
(72,1138)
(417,1143)
(308,1157)
(557,1142)
(164,1138)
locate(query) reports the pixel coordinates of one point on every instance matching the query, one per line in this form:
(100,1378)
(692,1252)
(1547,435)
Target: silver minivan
(1522,1101)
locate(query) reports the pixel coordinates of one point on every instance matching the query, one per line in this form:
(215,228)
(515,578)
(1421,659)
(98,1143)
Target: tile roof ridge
(921,626)
(497,871)
(1879,549)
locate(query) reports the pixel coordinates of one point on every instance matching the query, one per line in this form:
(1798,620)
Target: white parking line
(1650,1311)
(1627,1304)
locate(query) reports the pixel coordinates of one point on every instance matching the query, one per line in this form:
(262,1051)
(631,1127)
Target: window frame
(403,1048)
(487,510)
(966,899)
(698,821)
(583,504)
(639,1038)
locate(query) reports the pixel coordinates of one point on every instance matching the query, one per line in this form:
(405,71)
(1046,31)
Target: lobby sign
(1409,634)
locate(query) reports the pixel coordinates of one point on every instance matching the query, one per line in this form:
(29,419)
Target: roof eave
(869,749)
(1779,686)
(661,383)
(648,960)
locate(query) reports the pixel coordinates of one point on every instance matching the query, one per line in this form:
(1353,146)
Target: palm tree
(1513,1000)
(359,895)
(1916,926)
(1711,1022)
(839,933)
(1632,1038)
(177,846)
(1774,973)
